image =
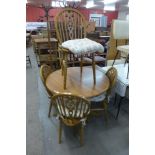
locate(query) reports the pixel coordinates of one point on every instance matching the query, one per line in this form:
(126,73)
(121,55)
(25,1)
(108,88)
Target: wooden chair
(70,24)
(73,110)
(120,30)
(112,75)
(45,70)
(119,36)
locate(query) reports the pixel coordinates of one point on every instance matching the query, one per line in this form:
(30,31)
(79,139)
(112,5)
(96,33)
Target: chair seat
(117,61)
(98,98)
(73,122)
(83,46)
(99,59)
(89,60)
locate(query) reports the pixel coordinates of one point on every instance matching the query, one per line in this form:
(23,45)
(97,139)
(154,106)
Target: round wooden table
(82,85)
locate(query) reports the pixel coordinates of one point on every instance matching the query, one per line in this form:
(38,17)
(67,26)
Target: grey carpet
(42,132)
(34,129)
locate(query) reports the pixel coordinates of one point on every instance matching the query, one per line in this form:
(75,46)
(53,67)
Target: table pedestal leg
(81,64)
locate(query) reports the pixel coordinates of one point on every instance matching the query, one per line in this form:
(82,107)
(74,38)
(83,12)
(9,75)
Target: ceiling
(120,5)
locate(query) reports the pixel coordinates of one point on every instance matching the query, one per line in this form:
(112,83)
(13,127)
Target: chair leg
(105,111)
(61,63)
(128,72)
(119,106)
(73,60)
(81,64)
(60,130)
(81,134)
(115,57)
(65,73)
(50,108)
(115,99)
(93,66)
(30,62)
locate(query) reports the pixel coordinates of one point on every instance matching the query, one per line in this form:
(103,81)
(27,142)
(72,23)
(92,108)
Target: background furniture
(33,37)
(119,36)
(28,39)
(111,73)
(120,100)
(122,83)
(100,20)
(28,61)
(78,84)
(124,54)
(44,54)
(73,110)
(120,30)
(31,26)
(100,58)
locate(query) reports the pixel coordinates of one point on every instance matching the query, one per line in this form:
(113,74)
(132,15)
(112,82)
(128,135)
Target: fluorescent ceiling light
(109,1)
(62,2)
(90,4)
(73,0)
(57,4)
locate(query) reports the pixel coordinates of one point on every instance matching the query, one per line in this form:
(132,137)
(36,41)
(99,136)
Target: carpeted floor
(42,132)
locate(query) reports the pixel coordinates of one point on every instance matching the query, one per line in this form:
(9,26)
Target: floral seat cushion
(83,46)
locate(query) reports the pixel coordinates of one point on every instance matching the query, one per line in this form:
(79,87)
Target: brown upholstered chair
(73,110)
(45,70)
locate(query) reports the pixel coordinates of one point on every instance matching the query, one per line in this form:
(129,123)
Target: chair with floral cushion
(70,28)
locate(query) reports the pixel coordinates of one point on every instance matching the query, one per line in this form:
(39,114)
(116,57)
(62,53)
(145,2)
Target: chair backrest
(71,106)
(70,24)
(119,36)
(120,29)
(112,75)
(45,70)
